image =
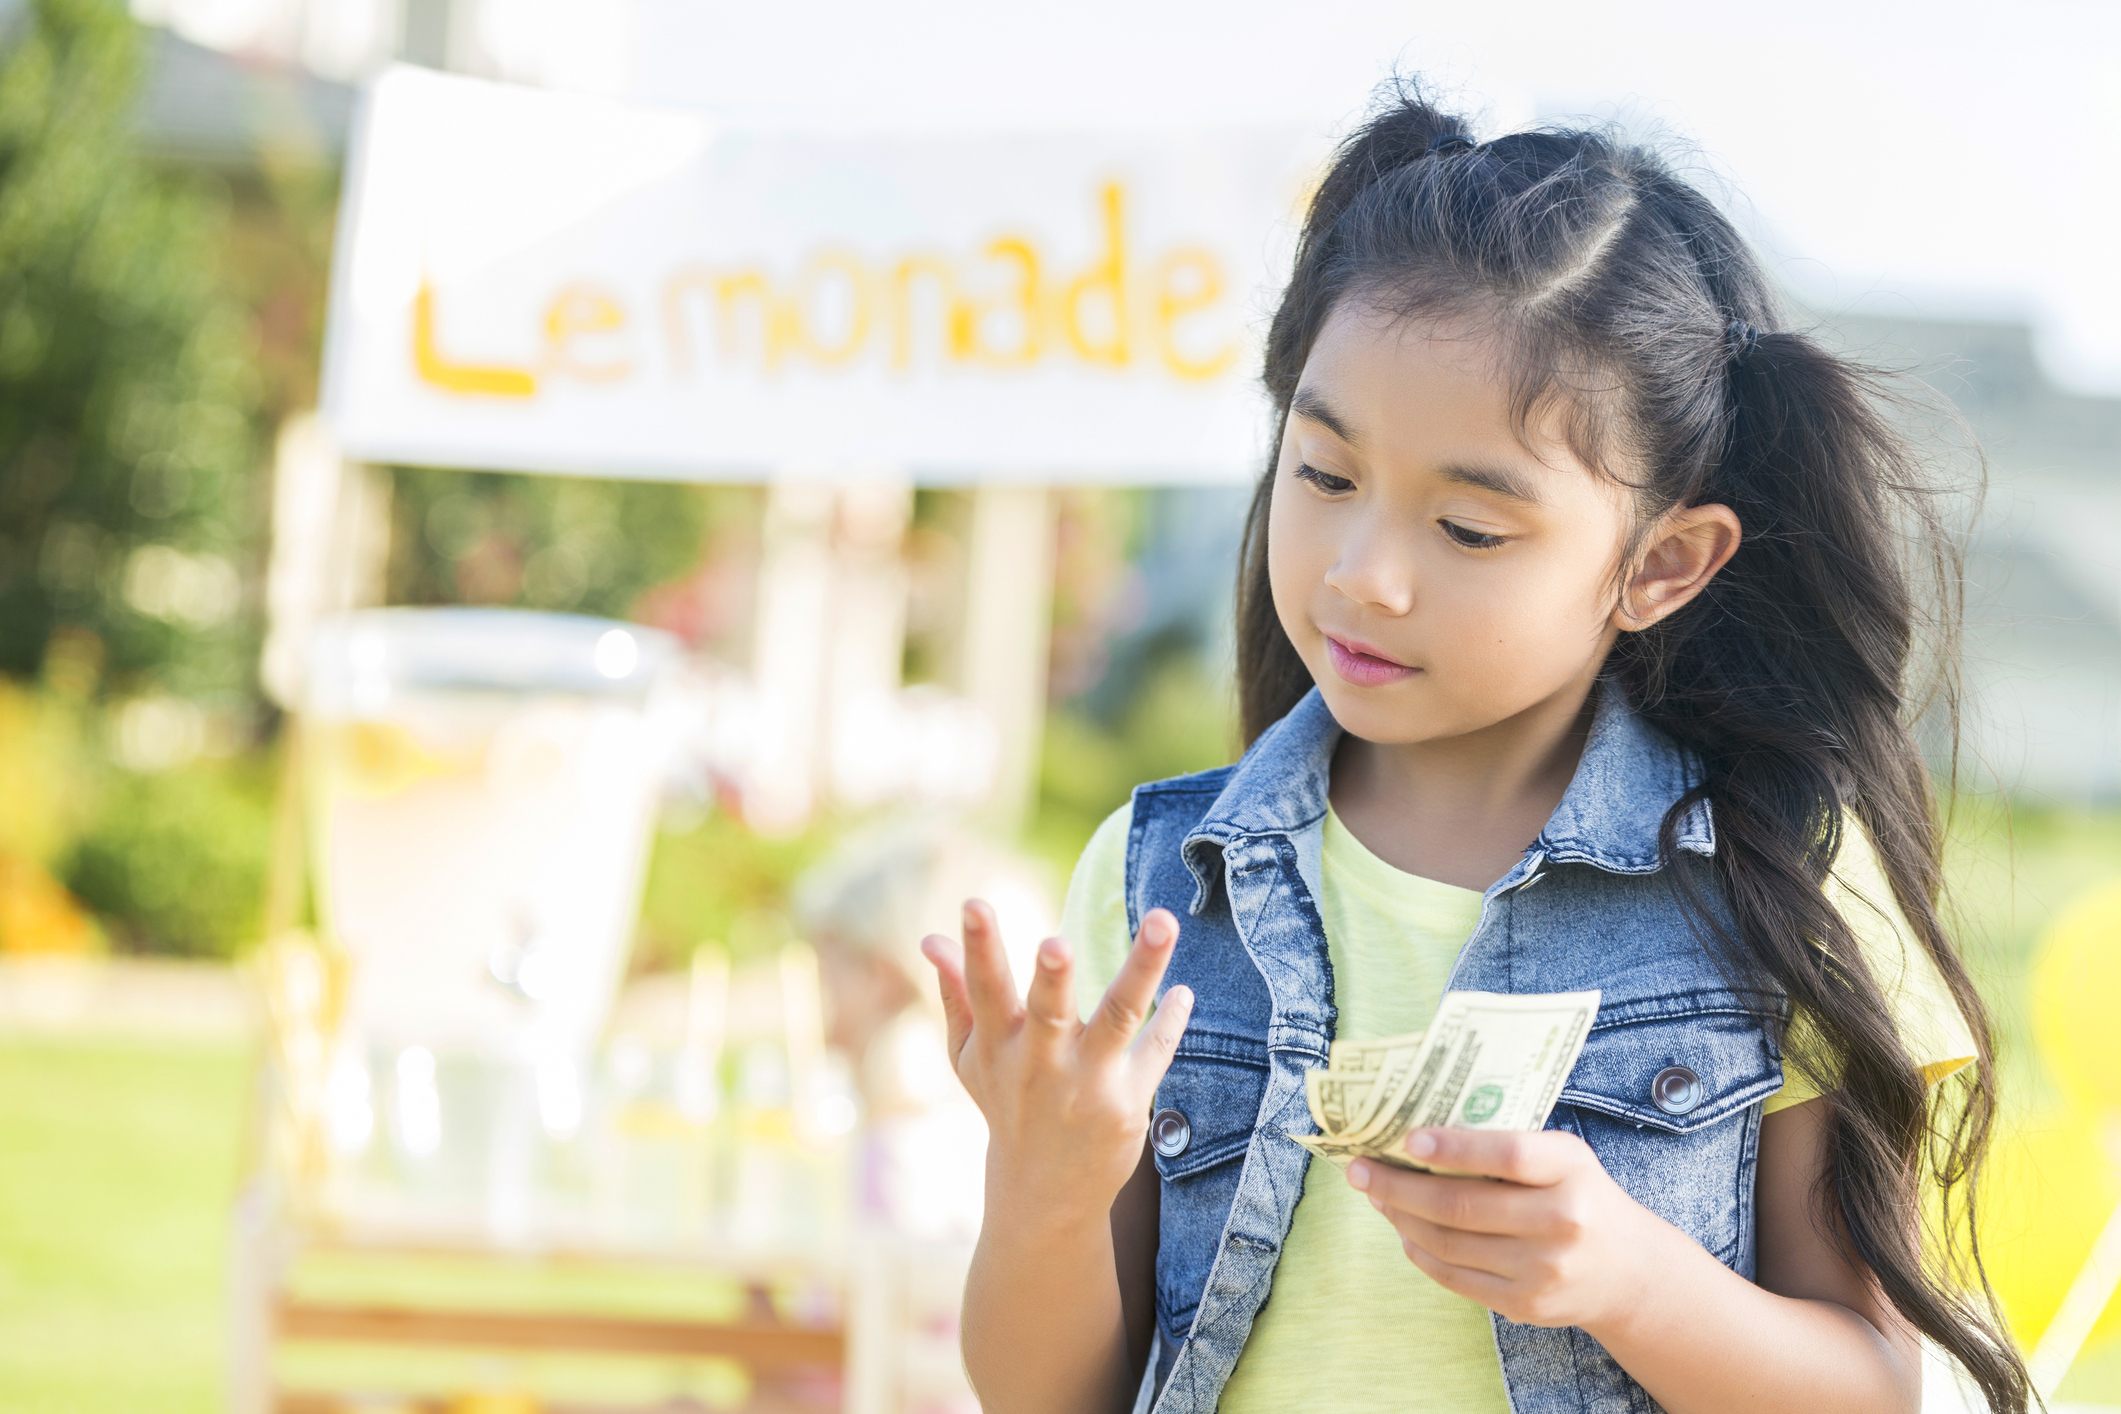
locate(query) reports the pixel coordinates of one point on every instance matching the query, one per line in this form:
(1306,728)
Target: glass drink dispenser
(482,787)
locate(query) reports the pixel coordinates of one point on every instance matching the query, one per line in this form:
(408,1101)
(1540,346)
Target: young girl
(1571,642)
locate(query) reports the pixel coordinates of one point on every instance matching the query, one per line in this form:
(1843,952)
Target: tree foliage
(128,453)
(567,544)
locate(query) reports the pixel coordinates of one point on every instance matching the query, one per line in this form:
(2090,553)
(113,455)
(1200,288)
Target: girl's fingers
(1476,1251)
(949,963)
(1127,1001)
(1488,1289)
(1153,1051)
(1467,1204)
(988,981)
(1050,1004)
(1538,1160)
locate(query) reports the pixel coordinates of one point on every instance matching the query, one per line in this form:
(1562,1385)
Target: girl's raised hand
(1066,1101)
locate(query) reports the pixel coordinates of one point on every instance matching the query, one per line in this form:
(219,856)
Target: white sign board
(548,282)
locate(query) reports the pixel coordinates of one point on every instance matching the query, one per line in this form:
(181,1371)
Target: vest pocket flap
(1206,1105)
(1678,1070)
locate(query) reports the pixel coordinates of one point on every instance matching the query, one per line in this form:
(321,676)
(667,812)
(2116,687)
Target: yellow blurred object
(302,985)
(2076,1002)
(38,915)
(721,1383)
(374,759)
(2054,1186)
(495,1402)
(2045,1194)
(40,775)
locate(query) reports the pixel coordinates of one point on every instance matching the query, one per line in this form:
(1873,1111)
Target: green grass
(118,1164)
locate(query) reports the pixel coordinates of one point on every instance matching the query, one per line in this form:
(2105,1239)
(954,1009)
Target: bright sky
(1945,158)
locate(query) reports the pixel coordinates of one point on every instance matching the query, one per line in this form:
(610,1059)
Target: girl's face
(1439,572)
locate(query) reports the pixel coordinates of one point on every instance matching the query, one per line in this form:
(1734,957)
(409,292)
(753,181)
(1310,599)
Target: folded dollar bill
(1490,1060)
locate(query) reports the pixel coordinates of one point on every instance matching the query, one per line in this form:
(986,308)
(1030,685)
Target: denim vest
(1238,849)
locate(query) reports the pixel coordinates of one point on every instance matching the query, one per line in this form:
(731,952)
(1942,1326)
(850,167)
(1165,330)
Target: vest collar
(1630,776)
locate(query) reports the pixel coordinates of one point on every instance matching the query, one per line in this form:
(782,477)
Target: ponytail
(1786,678)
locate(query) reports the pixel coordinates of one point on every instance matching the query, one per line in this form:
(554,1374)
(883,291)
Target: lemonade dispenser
(483,787)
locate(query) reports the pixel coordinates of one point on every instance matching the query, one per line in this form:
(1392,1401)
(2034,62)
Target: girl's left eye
(1471,539)
(1325,481)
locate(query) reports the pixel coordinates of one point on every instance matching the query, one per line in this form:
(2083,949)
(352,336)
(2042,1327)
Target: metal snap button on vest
(1170,1132)
(1676,1090)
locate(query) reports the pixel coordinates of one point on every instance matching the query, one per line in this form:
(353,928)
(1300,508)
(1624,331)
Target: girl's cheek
(1298,560)
(1291,601)
(1513,641)
(1480,617)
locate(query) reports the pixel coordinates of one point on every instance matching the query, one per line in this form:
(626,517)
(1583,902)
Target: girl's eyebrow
(1500,480)
(1311,405)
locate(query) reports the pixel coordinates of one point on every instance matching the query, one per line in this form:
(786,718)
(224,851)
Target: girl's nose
(1375,569)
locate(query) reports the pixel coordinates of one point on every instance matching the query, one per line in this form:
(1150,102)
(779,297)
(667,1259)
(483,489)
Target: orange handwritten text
(999,308)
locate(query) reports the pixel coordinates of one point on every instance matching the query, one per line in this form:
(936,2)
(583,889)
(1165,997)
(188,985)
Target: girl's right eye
(1325,481)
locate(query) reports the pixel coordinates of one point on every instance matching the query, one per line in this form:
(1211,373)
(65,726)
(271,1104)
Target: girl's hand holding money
(1055,1319)
(1556,1243)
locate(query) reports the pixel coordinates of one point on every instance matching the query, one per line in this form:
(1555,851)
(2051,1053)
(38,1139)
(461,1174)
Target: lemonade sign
(540,281)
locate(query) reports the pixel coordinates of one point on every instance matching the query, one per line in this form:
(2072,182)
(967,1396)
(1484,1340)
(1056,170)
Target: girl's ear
(1681,554)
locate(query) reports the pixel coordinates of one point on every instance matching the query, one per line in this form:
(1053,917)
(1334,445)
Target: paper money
(1358,1076)
(1490,1060)
(1369,1055)
(1335,1098)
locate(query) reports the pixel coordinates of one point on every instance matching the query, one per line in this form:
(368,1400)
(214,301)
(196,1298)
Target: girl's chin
(1407,712)
(1394,712)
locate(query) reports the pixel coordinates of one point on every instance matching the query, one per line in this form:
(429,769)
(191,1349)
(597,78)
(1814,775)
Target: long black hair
(1625,299)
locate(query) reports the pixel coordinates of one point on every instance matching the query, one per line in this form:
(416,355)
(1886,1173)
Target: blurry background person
(865,909)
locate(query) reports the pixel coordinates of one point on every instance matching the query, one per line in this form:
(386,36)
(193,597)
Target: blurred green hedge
(174,861)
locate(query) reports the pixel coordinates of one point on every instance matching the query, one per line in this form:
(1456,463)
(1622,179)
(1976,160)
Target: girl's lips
(1365,669)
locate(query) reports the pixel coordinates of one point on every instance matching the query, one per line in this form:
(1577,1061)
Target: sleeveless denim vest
(1235,853)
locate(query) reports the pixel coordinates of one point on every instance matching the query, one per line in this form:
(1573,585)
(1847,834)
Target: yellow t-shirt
(1928,1019)
(1393,938)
